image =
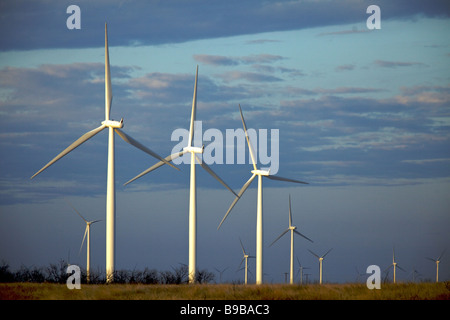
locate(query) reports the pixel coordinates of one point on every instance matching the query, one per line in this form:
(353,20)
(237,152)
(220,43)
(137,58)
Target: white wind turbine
(320,263)
(113,126)
(87,232)
(245,259)
(394,264)
(300,270)
(259,210)
(193,190)
(292,229)
(437,264)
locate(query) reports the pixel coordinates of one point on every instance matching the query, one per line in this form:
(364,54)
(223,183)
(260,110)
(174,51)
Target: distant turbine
(320,263)
(300,270)
(113,126)
(394,264)
(293,230)
(87,232)
(259,210)
(221,272)
(245,258)
(437,264)
(192,193)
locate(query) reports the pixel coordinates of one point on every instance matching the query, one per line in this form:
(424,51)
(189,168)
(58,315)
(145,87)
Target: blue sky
(363,116)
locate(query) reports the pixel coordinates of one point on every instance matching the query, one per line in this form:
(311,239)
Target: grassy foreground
(50,291)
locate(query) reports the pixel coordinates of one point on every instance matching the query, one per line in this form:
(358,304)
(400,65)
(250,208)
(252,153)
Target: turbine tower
(292,229)
(193,189)
(394,264)
(320,263)
(113,126)
(245,258)
(259,210)
(437,264)
(87,232)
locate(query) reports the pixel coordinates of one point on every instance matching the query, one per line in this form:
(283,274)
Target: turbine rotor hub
(261,172)
(113,123)
(193,149)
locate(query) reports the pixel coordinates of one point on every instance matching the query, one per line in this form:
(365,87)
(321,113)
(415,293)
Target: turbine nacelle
(113,123)
(193,149)
(261,172)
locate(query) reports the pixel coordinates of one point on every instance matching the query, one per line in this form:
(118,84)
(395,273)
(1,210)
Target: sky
(363,116)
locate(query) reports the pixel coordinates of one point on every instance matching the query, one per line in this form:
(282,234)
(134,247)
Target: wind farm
(367,160)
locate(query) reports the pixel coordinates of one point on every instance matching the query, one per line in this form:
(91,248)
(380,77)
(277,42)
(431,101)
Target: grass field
(399,291)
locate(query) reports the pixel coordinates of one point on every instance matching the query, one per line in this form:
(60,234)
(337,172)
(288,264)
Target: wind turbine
(87,232)
(320,263)
(245,258)
(113,126)
(193,190)
(220,272)
(394,264)
(259,209)
(300,270)
(437,264)
(292,229)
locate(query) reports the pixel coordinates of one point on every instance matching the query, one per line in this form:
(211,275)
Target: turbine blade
(284,232)
(400,268)
(430,259)
(108,91)
(95,221)
(242,246)
(85,232)
(285,179)
(327,253)
(193,112)
(74,145)
(155,166)
(314,254)
(76,210)
(240,264)
(303,235)
(237,198)
(138,145)
(248,139)
(290,213)
(438,259)
(209,170)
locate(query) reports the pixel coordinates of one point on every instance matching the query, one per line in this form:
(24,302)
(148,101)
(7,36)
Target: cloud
(249,76)
(42,24)
(395,64)
(345,67)
(233,61)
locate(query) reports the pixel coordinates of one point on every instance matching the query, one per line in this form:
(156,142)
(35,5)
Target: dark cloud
(41,24)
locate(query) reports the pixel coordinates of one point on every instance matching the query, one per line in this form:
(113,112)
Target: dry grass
(47,291)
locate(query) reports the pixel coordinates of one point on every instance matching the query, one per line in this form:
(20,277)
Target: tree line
(57,273)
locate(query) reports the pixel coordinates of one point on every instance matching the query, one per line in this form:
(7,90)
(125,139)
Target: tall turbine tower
(292,229)
(320,263)
(437,264)
(259,210)
(113,126)
(87,232)
(193,189)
